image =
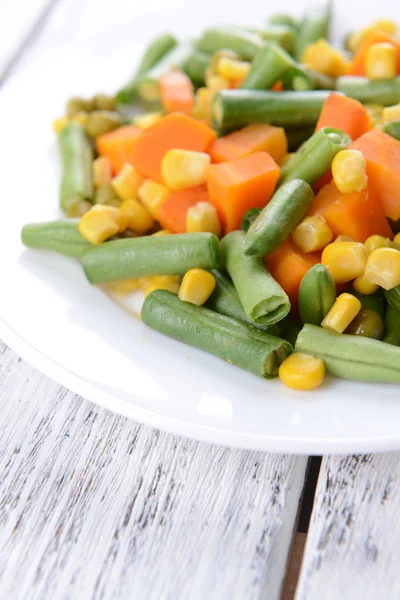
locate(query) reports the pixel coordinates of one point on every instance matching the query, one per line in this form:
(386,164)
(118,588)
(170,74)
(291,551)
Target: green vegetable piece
(367,324)
(143,256)
(236,342)
(101,121)
(62,237)
(283,35)
(384,91)
(76,158)
(244,43)
(393,129)
(317,295)
(315,156)
(104,102)
(351,356)
(195,67)
(287,207)
(269,65)
(375,301)
(157,49)
(393,297)
(297,136)
(249,217)
(234,109)
(301,79)
(283,19)
(76,105)
(392,326)
(314,26)
(263,299)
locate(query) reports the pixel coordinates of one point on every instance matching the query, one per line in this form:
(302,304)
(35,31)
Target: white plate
(75,334)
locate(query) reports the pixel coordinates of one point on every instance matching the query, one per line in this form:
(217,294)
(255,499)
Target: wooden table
(95,506)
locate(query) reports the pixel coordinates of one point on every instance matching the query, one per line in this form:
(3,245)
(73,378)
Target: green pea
(76,105)
(104,102)
(367,324)
(101,121)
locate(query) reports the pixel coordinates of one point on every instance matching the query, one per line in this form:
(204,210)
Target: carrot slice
(382,153)
(172,213)
(376,36)
(244,183)
(358,214)
(175,130)
(118,145)
(176,91)
(252,138)
(346,114)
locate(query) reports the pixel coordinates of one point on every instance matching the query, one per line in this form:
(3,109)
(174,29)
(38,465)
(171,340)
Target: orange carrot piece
(172,213)
(176,91)
(244,183)
(346,114)
(358,214)
(357,65)
(175,130)
(382,153)
(234,84)
(288,265)
(277,87)
(327,178)
(118,145)
(252,138)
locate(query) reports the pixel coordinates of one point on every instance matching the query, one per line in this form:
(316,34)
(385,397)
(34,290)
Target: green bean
(297,136)
(263,299)
(301,79)
(315,156)
(393,297)
(385,91)
(195,67)
(392,326)
(76,157)
(351,356)
(314,26)
(157,49)
(375,301)
(62,237)
(393,129)
(283,19)
(280,34)
(236,342)
(249,217)
(287,207)
(233,109)
(244,43)
(269,65)
(317,295)
(142,256)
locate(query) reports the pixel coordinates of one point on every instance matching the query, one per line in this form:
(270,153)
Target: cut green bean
(317,295)
(234,109)
(385,91)
(287,207)
(62,237)
(351,356)
(245,43)
(314,26)
(249,217)
(269,65)
(157,49)
(392,326)
(393,297)
(159,255)
(301,79)
(283,19)
(195,67)
(393,129)
(315,156)
(263,299)
(76,158)
(236,342)
(279,34)
(375,301)
(297,136)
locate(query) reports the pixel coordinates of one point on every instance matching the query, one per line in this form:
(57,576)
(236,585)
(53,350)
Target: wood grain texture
(95,506)
(352,550)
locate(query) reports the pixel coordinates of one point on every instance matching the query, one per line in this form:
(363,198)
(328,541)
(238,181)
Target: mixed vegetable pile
(249,183)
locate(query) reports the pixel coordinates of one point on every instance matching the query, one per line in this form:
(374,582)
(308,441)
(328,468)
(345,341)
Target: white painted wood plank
(95,506)
(353,543)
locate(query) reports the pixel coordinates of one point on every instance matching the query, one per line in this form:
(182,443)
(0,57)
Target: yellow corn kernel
(162,232)
(203,217)
(355,40)
(232,69)
(363,286)
(312,234)
(343,238)
(216,83)
(375,113)
(59,124)
(349,170)
(383,268)
(147,119)
(102,171)
(120,219)
(381,61)
(81,117)
(138,217)
(377,241)
(181,169)
(124,286)
(197,286)
(345,309)
(322,57)
(386,25)
(165,279)
(391,113)
(302,372)
(127,182)
(396,241)
(153,195)
(345,260)
(96,226)
(202,103)
(162,285)
(216,57)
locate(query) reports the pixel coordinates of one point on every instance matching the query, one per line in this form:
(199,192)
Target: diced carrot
(118,145)
(277,87)
(382,153)
(327,178)
(288,265)
(346,114)
(175,130)
(235,84)
(172,213)
(176,91)
(244,183)
(252,138)
(376,36)
(358,214)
